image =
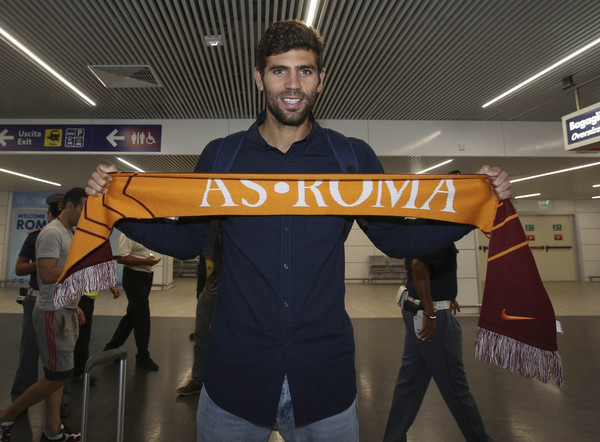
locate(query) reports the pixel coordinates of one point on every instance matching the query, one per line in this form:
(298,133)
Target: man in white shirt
(137,263)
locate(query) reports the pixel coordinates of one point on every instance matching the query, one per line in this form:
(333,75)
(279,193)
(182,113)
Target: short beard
(290,119)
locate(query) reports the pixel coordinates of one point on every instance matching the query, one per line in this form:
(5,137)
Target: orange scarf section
(465,199)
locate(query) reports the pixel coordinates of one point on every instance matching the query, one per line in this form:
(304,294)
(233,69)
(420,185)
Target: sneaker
(66,435)
(65,411)
(192,387)
(146,363)
(5,429)
(79,379)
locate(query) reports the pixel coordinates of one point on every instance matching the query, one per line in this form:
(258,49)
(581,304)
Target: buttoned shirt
(281,300)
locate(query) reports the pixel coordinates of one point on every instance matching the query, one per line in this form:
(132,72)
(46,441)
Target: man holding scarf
(281,350)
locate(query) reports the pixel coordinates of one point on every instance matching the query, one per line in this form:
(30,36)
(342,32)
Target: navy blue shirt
(281,300)
(28,252)
(442,274)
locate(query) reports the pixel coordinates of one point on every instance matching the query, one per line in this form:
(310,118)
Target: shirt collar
(255,135)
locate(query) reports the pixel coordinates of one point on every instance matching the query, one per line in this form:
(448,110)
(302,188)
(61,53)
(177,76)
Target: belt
(437,305)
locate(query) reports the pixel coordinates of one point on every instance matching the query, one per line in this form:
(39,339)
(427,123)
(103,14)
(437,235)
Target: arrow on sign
(4,137)
(113,136)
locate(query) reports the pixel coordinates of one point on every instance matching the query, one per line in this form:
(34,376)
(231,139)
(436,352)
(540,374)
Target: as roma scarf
(464,199)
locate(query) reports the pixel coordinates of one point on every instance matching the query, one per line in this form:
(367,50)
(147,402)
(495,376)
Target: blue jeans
(217,425)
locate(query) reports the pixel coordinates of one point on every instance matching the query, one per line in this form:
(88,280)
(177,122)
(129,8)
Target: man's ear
(258,79)
(321,79)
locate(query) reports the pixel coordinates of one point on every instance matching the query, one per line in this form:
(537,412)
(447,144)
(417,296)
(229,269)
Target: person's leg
(82,347)
(341,426)
(53,410)
(126,324)
(411,385)
(217,425)
(447,368)
(141,312)
(27,371)
(34,394)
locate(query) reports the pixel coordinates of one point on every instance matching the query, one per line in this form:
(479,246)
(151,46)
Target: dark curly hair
(285,35)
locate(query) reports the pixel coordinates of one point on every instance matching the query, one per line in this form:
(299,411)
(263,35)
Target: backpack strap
(340,145)
(343,151)
(228,150)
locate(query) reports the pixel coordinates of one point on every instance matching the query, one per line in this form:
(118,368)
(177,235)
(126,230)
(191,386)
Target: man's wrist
(433,316)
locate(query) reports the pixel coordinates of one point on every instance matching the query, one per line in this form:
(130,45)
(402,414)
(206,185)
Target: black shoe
(146,363)
(191,336)
(65,411)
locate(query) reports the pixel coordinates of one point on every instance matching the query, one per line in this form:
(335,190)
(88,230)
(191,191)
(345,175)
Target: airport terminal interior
(513,408)
(430,86)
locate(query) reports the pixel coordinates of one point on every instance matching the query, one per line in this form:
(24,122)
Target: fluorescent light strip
(595,197)
(596,185)
(554,172)
(30,177)
(527,196)
(435,167)
(545,71)
(130,165)
(312,9)
(35,58)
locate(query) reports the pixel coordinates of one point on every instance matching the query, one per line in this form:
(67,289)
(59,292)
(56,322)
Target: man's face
(291,83)
(76,212)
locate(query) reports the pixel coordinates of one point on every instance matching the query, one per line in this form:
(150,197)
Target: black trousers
(82,347)
(137,286)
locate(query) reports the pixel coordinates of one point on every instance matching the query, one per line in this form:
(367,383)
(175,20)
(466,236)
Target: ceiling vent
(125,76)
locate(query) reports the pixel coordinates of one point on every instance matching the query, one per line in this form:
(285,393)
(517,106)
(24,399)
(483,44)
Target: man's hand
(498,179)
(80,315)
(152,261)
(116,292)
(454,306)
(427,332)
(100,180)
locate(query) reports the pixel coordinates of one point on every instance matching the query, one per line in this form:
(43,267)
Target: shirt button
(286,305)
(286,229)
(285,266)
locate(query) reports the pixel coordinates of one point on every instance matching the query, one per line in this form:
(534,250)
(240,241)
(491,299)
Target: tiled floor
(513,408)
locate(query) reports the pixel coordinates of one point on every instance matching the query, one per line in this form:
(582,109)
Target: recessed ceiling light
(530,195)
(29,177)
(312,9)
(545,71)
(213,40)
(436,166)
(130,165)
(554,172)
(35,58)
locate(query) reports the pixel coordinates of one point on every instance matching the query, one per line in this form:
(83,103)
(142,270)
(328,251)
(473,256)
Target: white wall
(586,214)
(359,248)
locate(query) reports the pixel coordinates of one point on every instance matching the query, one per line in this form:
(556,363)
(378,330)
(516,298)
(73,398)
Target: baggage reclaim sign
(581,129)
(80,138)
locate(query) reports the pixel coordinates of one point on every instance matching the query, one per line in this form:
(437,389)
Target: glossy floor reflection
(513,408)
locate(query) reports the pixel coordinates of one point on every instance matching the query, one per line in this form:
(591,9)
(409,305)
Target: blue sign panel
(80,138)
(581,129)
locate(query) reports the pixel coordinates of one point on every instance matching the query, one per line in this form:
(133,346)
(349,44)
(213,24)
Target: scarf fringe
(518,357)
(87,280)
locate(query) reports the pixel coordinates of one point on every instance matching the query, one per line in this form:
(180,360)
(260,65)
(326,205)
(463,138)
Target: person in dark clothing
(434,351)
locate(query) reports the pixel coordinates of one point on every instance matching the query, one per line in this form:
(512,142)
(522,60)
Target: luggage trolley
(104,358)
